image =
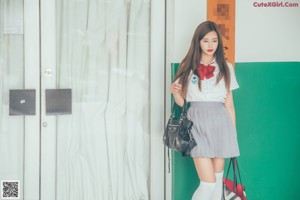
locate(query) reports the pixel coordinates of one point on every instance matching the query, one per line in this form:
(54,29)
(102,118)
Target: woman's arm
(229,105)
(176,91)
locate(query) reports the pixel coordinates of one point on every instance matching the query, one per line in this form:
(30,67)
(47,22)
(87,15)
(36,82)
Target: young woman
(206,80)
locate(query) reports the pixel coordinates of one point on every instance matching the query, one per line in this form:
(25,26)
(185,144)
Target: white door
(100,52)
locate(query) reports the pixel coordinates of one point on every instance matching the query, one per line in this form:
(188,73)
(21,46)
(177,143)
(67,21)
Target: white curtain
(103,54)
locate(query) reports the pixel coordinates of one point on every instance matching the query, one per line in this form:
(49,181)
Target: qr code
(10,189)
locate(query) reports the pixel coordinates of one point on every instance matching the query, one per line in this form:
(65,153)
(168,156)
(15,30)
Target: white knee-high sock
(204,191)
(217,193)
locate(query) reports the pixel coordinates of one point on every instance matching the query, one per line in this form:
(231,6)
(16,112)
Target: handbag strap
(183,110)
(234,174)
(236,170)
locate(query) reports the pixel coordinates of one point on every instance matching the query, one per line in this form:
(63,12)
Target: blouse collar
(213,62)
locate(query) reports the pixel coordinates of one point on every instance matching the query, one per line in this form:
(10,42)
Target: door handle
(58,101)
(21,102)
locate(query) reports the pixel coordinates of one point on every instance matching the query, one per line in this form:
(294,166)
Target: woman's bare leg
(206,174)
(205,169)
(218,164)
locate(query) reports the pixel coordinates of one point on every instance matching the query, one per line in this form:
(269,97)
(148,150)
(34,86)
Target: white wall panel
(157,99)
(267,34)
(186,17)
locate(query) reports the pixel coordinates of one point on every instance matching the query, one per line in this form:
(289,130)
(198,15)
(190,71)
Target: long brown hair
(193,57)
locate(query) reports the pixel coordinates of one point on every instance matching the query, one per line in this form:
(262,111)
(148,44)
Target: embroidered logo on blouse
(194,79)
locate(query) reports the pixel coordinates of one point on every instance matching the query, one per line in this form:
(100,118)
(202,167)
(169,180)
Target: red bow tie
(206,71)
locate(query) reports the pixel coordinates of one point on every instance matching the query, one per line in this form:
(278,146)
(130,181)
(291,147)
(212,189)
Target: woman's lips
(210,50)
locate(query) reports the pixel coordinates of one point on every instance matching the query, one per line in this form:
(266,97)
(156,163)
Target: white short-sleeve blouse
(210,91)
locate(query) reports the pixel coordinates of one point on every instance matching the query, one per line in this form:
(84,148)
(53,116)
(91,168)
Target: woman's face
(209,43)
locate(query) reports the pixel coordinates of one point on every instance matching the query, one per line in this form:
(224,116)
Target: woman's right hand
(176,88)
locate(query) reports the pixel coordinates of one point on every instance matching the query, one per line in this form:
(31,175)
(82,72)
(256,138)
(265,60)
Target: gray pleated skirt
(213,130)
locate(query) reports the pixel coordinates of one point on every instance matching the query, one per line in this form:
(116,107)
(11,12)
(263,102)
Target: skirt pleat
(213,131)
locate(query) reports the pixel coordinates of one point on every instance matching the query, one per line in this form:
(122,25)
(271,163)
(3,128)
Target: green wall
(268,126)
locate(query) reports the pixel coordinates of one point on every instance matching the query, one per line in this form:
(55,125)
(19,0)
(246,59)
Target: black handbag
(178,134)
